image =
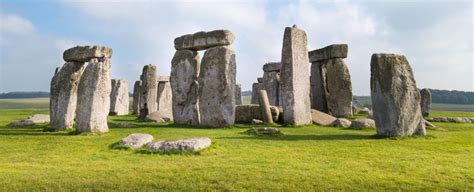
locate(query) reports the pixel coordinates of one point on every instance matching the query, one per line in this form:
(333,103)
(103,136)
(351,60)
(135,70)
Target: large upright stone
(329,52)
(271,82)
(149,90)
(217,87)
(295,78)
(93,101)
(395,99)
(137,89)
(63,95)
(238,94)
(165,97)
(204,40)
(86,53)
(255,88)
(338,88)
(318,97)
(425,102)
(184,85)
(119,97)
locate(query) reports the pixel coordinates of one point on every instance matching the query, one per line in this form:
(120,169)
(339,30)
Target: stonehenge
(149,90)
(265,107)
(331,87)
(119,97)
(395,98)
(136,97)
(295,87)
(255,88)
(425,102)
(271,82)
(238,94)
(204,40)
(164,97)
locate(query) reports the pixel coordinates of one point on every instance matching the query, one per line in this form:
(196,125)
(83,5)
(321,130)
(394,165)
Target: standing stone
(395,99)
(295,78)
(93,102)
(425,102)
(338,88)
(217,87)
(165,97)
(136,96)
(63,99)
(238,94)
(255,88)
(184,85)
(318,97)
(149,90)
(271,82)
(265,107)
(119,97)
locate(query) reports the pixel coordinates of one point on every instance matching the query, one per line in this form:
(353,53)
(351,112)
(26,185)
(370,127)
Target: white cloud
(13,24)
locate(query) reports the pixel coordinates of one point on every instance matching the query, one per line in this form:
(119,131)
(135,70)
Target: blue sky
(436,36)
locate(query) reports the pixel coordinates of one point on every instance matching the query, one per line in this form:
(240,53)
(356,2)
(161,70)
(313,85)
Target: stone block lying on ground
(158,117)
(31,120)
(320,118)
(136,140)
(203,40)
(342,122)
(363,123)
(189,144)
(86,53)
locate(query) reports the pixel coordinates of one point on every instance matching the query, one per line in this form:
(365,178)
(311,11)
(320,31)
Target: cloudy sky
(436,36)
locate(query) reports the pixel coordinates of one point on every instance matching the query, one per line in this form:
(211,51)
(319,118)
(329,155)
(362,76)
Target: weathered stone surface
(217,87)
(342,122)
(149,90)
(440,119)
(425,102)
(189,144)
(429,124)
(158,117)
(204,40)
(255,88)
(338,88)
(245,113)
(318,97)
(257,121)
(165,99)
(93,101)
(272,66)
(271,83)
(260,80)
(137,89)
(320,118)
(136,140)
(265,107)
(86,53)
(363,123)
(63,95)
(329,52)
(238,94)
(119,97)
(163,78)
(395,99)
(295,78)
(31,120)
(184,85)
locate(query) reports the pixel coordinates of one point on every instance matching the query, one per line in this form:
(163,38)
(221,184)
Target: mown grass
(303,159)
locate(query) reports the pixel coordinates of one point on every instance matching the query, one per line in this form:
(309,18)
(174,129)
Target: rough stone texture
(149,90)
(217,87)
(159,117)
(271,83)
(318,98)
(265,107)
(329,52)
(295,78)
(320,118)
(257,121)
(342,122)
(163,78)
(137,89)
(425,102)
(245,113)
(260,80)
(429,124)
(165,99)
(440,119)
(255,88)
(273,66)
(204,40)
(184,85)
(338,88)
(63,95)
(395,99)
(189,144)
(238,94)
(363,123)
(31,120)
(136,140)
(93,101)
(86,53)
(119,97)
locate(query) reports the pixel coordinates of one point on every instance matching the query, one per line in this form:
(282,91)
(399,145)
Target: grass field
(304,159)
(365,100)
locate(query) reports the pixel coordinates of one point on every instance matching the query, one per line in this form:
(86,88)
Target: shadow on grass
(31,130)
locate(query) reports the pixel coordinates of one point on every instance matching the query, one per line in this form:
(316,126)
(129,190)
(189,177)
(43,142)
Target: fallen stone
(257,121)
(363,123)
(272,66)
(320,118)
(158,117)
(342,122)
(440,119)
(86,53)
(119,97)
(328,52)
(246,113)
(190,144)
(136,140)
(31,120)
(204,40)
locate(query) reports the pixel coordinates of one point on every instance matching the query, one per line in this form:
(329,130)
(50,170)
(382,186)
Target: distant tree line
(452,97)
(18,95)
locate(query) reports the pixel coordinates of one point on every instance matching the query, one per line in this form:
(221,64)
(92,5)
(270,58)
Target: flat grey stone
(136,140)
(158,117)
(329,52)
(342,122)
(273,66)
(363,123)
(86,53)
(323,119)
(189,144)
(31,120)
(204,40)
(163,78)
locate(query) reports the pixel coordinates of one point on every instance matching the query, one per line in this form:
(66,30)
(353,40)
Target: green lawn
(305,159)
